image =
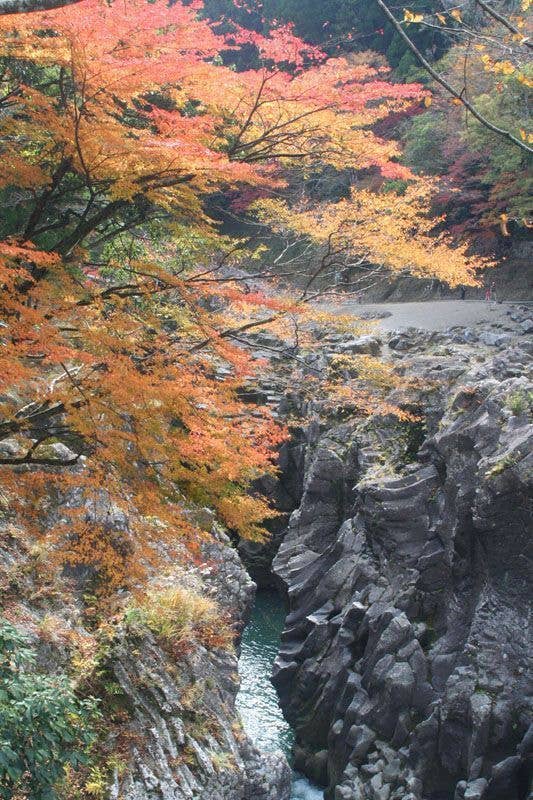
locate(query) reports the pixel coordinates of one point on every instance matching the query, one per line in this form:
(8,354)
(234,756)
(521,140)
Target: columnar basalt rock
(191,745)
(404,661)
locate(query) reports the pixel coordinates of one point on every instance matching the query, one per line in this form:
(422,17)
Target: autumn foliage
(123,316)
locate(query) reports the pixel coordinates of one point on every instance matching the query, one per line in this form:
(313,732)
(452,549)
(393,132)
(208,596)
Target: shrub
(44,727)
(520,402)
(179,615)
(500,466)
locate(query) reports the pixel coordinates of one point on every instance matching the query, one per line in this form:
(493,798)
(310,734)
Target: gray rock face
(284,492)
(189,746)
(404,663)
(188,741)
(494,339)
(362,345)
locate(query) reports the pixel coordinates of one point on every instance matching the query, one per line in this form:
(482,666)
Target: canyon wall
(404,662)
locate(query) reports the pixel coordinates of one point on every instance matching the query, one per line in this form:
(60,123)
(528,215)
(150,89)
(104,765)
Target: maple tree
(368,235)
(336,25)
(123,335)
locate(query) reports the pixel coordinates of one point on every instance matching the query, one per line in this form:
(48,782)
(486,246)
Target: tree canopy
(125,310)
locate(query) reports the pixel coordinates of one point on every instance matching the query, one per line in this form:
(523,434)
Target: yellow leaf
(427,101)
(456,14)
(408,16)
(526,81)
(523,134)
(441,18)
(503,224)
(505,67)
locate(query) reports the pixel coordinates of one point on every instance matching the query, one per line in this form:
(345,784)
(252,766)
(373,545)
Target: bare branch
(502,20)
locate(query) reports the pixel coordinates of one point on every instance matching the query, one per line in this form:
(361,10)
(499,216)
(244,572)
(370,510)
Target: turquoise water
(257,701)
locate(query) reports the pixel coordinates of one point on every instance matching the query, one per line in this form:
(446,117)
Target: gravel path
(430,315)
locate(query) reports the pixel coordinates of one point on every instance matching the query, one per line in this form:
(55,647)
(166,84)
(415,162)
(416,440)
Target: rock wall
(191,743)
(169,730)
(404,662)
(512,276)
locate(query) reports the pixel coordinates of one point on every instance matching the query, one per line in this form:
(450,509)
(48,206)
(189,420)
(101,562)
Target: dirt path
(431,315)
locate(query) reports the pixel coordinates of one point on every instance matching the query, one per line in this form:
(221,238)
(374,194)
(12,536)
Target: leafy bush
(44,727)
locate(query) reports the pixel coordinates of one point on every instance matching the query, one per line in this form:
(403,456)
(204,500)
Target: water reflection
(257,701)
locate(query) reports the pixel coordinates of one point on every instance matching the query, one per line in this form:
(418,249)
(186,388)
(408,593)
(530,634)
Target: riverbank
(434,315)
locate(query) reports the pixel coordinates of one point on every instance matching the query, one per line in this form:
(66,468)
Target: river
(257,701)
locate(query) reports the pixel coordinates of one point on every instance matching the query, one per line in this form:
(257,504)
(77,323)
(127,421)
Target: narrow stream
(257,701)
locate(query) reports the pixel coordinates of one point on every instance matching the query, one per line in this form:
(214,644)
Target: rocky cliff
(404,662)
(513,278)
(169,729)
(403,665)
(191,743)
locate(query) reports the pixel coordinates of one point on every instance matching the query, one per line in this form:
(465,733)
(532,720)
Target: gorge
(404,663)
(264,534)
(393,603)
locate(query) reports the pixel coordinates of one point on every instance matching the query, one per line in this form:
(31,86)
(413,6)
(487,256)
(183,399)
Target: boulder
(369,345)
